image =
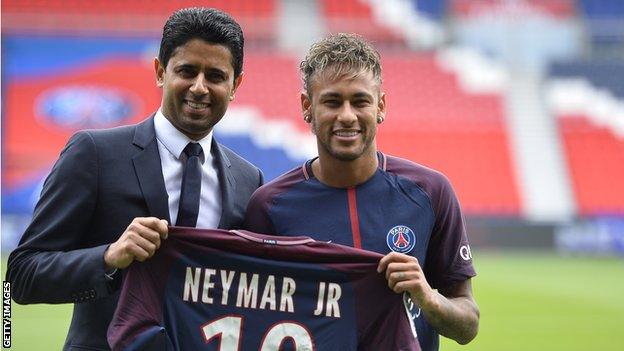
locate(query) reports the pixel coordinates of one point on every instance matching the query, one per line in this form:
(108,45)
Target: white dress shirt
(171,143)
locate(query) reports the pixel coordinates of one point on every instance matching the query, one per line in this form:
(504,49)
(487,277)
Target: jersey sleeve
(448,257)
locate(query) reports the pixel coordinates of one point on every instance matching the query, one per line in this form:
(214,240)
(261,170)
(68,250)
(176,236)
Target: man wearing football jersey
(355,195)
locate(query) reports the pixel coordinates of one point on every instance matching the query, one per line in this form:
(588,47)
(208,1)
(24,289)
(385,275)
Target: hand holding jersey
(138,242)
(404,274)
(452,311)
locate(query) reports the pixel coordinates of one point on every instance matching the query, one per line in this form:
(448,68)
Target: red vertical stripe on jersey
(353,215)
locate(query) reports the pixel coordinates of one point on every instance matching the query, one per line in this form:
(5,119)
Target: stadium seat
(433,121)
(592,141)
(355,16)
(256,17)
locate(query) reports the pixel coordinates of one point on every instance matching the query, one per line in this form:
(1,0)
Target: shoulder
(247,177)
(237,161)
(433,183)
(425,177)
(111,137)
(278,185)
(90,140)
(110,146)
(243,171)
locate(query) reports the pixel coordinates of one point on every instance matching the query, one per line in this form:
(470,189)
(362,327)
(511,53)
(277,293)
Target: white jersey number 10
(229,329)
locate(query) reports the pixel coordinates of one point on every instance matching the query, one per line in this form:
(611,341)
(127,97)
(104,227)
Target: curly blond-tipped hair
(345,54)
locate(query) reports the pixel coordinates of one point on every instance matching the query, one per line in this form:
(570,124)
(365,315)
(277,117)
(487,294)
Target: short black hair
(211,25)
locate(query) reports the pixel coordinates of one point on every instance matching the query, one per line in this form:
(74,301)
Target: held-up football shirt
(403,207)
(238,291)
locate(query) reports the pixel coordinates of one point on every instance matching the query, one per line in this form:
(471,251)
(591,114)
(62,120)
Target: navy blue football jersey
(238,291)
(404,207)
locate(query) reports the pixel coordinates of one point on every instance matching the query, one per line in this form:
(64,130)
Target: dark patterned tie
(191,187)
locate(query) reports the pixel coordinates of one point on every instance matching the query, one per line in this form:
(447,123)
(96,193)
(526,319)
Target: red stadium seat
(355,16)
(256,17)
(433,121)
(595,157)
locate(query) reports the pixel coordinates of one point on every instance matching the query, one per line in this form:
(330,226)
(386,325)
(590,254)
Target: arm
(452,310)
(55,262)
(50,265)
(457,315)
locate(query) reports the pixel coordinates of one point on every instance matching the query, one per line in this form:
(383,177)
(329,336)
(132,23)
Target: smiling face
(198,85)
(343,112)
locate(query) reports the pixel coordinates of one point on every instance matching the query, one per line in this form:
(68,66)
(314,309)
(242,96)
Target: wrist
(429,302)
(109,268)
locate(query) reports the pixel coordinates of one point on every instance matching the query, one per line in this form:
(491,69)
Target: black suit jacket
(102,180)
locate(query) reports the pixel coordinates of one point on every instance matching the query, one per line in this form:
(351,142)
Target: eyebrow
(337,95)
(195,67)
(185,65)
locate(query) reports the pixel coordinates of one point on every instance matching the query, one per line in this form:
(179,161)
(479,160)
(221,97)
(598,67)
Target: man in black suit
(112,193)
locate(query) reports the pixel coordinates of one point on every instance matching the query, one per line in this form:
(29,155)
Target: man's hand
(452,310)
(404,273)
(139,242)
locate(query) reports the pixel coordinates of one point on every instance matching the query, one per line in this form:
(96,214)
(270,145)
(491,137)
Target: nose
(199,86)
(347,114)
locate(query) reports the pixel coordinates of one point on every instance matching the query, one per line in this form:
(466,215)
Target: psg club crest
(401,239)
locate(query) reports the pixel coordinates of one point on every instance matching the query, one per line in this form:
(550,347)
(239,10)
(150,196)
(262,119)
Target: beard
(347,155)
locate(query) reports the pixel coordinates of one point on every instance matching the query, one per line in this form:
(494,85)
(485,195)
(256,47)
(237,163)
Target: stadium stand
(272,85)
(434,9)
(588,101)
(356,16)
(455,131)
(130,17)
(604,19)
(555,8)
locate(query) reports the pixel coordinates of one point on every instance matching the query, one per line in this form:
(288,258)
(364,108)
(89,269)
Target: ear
(306,107)
(160,73)
(381,105)
(237,82)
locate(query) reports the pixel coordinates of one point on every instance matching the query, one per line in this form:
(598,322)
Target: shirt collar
(174,140)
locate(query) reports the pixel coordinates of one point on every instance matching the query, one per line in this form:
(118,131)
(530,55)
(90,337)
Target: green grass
(528,302)
(543,302)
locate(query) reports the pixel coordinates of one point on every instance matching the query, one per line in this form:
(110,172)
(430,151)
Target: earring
(307,118)
(231,97)
(379,119)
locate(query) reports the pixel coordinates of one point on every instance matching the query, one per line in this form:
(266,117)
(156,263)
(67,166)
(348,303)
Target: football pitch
(528,301)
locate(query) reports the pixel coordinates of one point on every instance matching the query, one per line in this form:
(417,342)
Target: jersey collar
(306,168)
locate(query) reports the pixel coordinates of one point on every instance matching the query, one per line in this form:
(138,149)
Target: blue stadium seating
(607,75)
(434,9)
(594,9)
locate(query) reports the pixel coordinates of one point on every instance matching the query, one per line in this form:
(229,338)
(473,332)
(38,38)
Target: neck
(345,174)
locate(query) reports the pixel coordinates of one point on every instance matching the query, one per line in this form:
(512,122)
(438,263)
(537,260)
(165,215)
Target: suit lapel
(149,170)
(227,184)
